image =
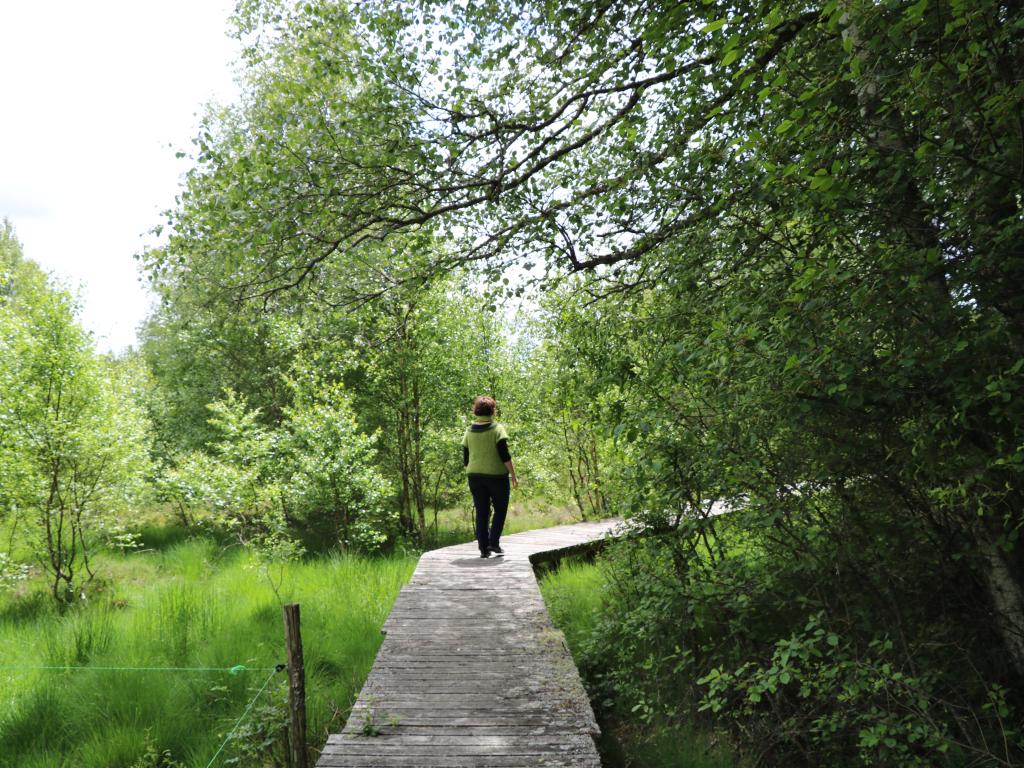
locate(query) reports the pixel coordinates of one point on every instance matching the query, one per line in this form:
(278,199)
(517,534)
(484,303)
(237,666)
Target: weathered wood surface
(472,674)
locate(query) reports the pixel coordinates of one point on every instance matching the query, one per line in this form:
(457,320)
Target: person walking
(490,473)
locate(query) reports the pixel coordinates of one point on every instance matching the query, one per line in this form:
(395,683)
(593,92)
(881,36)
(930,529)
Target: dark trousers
(487,491)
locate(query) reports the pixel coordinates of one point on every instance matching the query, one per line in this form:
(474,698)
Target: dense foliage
(778,253)
(577,595)
(799,233)
(343,421)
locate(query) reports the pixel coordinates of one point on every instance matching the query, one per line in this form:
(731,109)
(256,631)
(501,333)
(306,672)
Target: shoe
(485,553)
(497,550)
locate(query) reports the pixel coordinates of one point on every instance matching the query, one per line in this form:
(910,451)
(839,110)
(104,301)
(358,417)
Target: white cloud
(96,98)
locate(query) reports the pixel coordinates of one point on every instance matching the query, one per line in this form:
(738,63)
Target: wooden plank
(471,673)
(478,761)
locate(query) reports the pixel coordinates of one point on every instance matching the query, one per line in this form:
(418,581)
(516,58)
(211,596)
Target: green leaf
(783,127)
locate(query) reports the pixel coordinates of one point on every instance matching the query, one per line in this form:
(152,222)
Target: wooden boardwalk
(472,673)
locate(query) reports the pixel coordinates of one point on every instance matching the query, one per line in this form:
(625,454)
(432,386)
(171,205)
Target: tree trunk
(402,437)
(417,461)
(574,481)
(1007,600)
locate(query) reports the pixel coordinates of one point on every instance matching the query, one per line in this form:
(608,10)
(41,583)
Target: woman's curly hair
(484,405)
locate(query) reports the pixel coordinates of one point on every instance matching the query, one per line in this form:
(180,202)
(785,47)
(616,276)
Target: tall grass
(574,594)
(192,605)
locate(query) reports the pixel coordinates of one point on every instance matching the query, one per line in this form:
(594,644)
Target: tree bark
(1007,600)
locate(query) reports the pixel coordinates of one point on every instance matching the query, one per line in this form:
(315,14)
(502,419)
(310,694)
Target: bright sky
(96,98)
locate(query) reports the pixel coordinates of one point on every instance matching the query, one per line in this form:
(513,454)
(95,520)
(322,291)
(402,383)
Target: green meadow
(192,605)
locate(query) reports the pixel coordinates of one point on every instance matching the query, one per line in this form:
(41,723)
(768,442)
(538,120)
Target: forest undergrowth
(577,598)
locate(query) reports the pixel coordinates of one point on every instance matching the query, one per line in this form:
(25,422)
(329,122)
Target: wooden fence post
(296,688)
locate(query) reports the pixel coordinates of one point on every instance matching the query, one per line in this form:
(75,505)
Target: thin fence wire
(242,718)
(235,670)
